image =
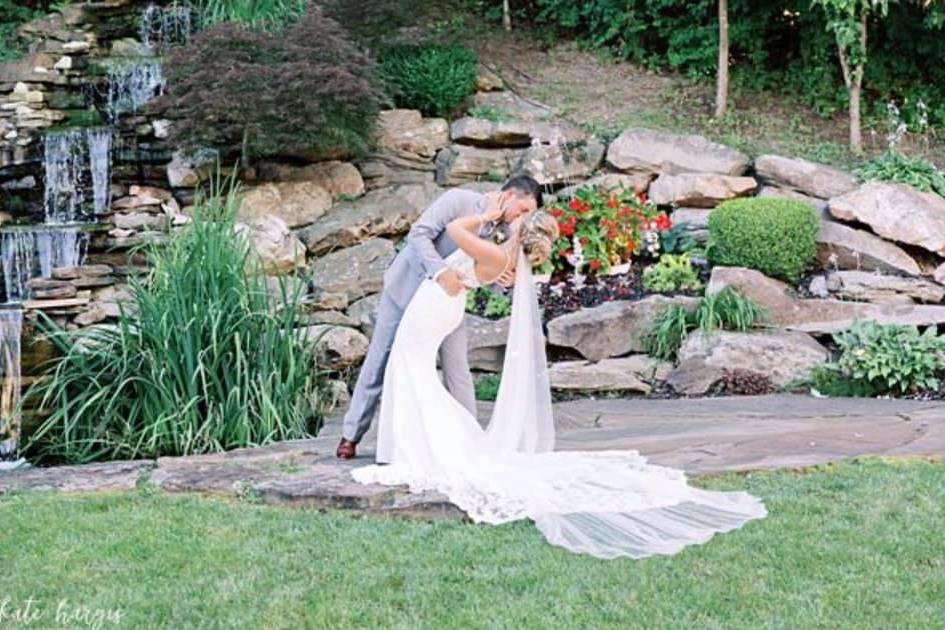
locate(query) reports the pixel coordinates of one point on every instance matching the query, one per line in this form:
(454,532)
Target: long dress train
(607,504)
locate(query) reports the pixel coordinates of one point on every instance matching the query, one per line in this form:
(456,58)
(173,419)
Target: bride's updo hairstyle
(538,235)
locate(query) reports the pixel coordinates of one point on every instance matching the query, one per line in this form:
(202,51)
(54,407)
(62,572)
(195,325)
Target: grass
(857,544)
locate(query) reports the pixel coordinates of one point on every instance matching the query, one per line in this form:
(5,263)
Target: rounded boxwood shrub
(775,236)
(432,78)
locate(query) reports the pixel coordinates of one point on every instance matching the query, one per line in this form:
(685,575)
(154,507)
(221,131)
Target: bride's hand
(496,208)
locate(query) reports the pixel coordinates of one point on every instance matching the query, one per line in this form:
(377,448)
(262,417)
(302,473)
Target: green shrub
(205,360)
(432,78)
(13,13)
(725,310)
(893,166)
(671,273)
(878,359)
(775,236)
(482,301)
(258,14)
(677,240)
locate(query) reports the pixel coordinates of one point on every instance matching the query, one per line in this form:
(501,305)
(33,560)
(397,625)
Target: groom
(422,257)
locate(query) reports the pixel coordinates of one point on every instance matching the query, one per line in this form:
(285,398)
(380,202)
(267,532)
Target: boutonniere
(500,235)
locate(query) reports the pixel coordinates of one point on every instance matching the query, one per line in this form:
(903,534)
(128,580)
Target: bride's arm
(490,258)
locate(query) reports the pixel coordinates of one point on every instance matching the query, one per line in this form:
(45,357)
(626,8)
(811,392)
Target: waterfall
(99,141)
(26,254)
(162,26)
(64,160)
(11,323)
(131,84)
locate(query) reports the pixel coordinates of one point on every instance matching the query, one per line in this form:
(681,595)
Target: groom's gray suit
(422,257)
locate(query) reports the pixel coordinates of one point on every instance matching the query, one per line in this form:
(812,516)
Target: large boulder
(381,212)
(807,177)
(406,134)
(459,164)
(552,164)
(339,346)
(338,178)
(843,247)
(637,373)
(820,205)
(611,329)
(608,182)
(816,316)
(513,133)
(296,203)
(486,342)
(279,250)
(873,287)
(350,274)
(188,168)
(700,190)
(364,313)
(896,212)
(781,356)
(647,151)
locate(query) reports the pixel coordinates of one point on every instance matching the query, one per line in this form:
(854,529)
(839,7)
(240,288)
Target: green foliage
(14,13)
(671,273)
(877,359)
(204,360)
(269,15)
(306,91)
(432,78)
(677,240)
(893,166)
(724,310)
(784,46)
(487,387)
(486,112)
(482,301)
(773,235)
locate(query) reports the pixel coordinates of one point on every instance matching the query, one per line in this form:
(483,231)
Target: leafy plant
(488,303)
(775,236)
(486,112)
(677,240)
(205,360)
(307,91)
(876,359)
(893,166)
(601,228)
(487,387)
(671,273)
(269,15)
(724,310)
(432,78)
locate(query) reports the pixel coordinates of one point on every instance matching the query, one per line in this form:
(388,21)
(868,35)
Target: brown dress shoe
(345,449)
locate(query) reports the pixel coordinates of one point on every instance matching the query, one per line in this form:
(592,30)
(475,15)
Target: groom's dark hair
(526,185)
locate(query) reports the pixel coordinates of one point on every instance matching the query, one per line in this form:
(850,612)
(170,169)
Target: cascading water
(162,26)
(11,322)
(131,84)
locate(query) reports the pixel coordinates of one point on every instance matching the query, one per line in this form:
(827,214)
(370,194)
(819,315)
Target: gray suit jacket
(428,244)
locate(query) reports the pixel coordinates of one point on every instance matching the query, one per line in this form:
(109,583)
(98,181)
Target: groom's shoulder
(459,197)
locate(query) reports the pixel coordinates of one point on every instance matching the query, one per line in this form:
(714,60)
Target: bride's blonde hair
(537,235)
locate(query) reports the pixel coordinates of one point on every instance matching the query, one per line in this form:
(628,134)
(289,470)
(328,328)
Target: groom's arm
(452,204)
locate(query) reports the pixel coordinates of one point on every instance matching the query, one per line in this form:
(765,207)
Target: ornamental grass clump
(204,358)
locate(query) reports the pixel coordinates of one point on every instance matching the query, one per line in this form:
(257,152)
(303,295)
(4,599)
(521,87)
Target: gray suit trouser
(454,360)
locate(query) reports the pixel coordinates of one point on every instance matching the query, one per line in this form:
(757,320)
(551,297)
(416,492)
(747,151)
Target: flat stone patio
(698,436)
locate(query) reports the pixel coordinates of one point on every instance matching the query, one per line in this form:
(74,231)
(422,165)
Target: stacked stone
(78,296)
(144,214)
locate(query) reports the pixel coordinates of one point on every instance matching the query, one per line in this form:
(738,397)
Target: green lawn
(860,544)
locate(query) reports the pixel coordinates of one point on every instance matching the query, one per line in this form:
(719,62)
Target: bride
(604,503)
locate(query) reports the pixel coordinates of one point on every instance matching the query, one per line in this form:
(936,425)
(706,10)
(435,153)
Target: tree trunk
(721,83)
(853,78)
(244,155)
(506,16)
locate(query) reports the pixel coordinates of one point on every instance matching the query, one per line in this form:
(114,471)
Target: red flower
(641,197)
(612,202)
(584,240)
(556,212)
(595,265)
(578,206)
(663,223)
(566,228)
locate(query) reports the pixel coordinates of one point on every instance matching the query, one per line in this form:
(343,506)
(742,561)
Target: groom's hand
(451,282)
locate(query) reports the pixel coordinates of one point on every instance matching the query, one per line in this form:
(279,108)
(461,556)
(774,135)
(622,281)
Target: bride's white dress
(604,503)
